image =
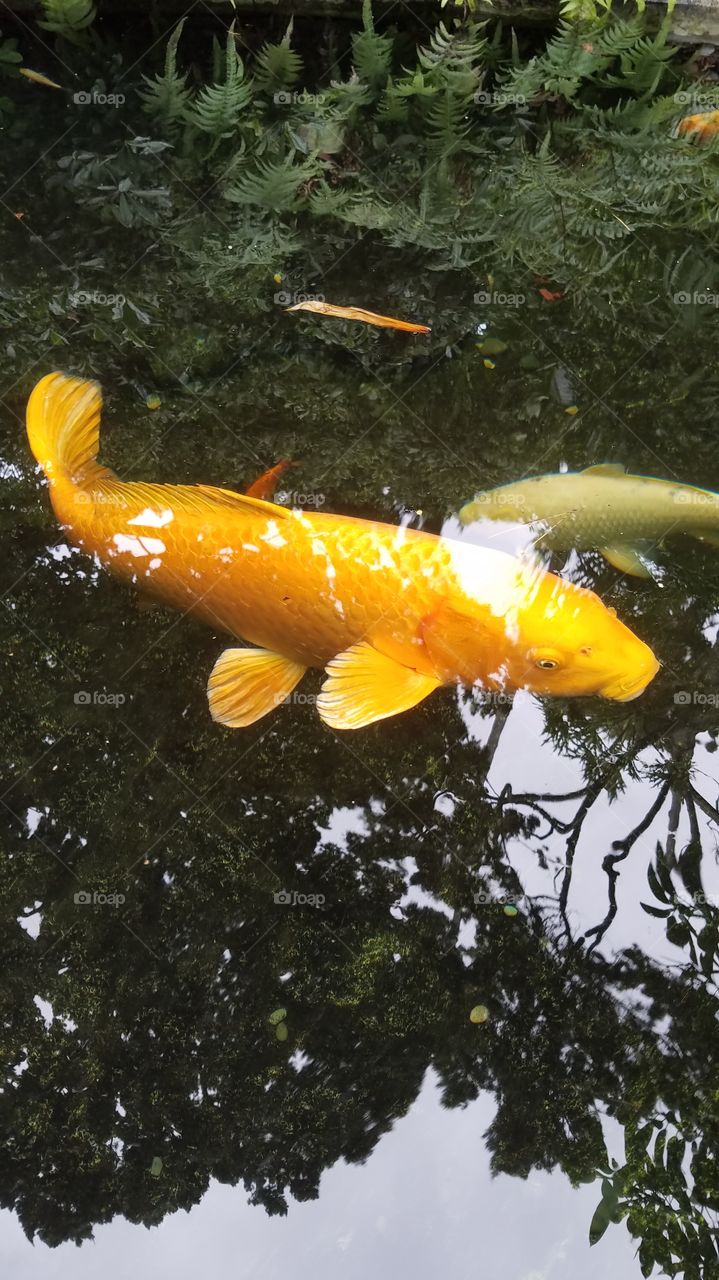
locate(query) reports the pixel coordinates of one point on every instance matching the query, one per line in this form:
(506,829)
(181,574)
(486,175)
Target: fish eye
(586,649)
(546,658)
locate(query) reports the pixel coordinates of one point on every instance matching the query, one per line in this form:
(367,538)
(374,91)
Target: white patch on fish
(153,519)
(384,560)
(273,537)
(138,546)
(249,546)
(489,577)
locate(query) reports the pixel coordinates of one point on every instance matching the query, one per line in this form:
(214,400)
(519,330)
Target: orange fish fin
(264,486)
(63,427)
(363,686)
(246,684)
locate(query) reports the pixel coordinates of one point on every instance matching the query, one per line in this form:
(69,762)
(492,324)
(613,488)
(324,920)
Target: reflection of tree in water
(161,1043)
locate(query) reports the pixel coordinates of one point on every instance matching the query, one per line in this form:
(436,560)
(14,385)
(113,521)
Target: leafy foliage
(68,18)
(371,53)
(218,108)
(167,97)
(277,66)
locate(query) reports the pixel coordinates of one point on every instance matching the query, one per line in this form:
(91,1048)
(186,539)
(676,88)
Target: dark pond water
(144,1072)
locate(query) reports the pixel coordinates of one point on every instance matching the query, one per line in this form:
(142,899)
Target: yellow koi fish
(605,508)
(390,613)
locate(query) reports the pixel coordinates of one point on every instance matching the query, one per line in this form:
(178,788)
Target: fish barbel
(602,508)
(390,613)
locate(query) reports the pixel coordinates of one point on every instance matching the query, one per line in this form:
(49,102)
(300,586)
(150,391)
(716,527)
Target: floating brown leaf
(358,313)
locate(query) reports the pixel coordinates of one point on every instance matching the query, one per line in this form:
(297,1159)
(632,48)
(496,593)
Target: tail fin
(63,426)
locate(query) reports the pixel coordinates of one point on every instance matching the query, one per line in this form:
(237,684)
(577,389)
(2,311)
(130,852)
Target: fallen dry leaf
(357,313)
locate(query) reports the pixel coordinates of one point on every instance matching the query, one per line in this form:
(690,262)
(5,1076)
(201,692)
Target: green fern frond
(445,123)
(167,97)
(642,66)
(326,202)
(273,185)
(568,61)
(373,215)
(454,60)
(393,108)
(67,18)
(348,96)
(277,66)
(371,53)
(218,108)
(618,36)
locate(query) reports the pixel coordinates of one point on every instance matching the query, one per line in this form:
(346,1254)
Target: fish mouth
(628,690)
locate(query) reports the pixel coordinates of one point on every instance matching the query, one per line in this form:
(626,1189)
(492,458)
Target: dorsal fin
(230,498)
(194,498)
(615,469)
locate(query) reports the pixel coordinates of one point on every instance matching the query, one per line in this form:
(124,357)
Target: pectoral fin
(364,686)
(631,560)
(246,684)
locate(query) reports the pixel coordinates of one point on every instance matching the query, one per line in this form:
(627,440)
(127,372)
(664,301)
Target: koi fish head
(516,626)
(572,644)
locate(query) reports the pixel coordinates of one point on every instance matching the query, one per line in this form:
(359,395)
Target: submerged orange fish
(391,613)
(703,126)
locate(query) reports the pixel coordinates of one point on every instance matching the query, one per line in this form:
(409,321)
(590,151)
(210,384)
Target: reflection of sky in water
(523,761)
(424,1203)
(423,1206)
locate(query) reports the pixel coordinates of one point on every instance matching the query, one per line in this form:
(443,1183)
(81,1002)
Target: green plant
(68,18)
(277,66)
(167,97)
(219,106)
